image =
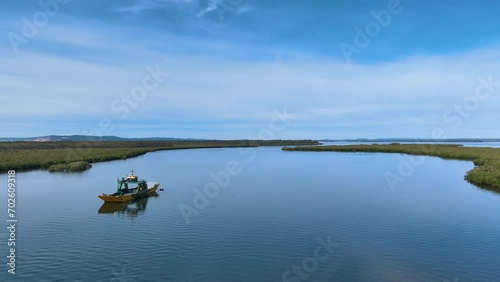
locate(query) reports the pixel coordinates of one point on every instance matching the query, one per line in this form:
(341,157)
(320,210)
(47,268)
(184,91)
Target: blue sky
(232,64)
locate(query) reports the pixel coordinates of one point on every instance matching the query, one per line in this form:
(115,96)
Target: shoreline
(485,174)
(72,156)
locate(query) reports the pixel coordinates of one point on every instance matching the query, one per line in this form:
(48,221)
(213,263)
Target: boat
(130,209)
(131,177)
(130,188)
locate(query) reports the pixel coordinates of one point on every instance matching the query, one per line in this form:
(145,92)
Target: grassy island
(77,155)
(485,174)
(74,166)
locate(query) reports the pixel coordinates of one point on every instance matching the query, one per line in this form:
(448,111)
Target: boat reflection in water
(130,209)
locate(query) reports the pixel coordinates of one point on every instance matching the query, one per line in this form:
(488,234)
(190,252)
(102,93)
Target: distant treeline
(76,155)
(417,140)
(486,174)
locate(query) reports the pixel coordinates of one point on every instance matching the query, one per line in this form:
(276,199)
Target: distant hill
(89,138)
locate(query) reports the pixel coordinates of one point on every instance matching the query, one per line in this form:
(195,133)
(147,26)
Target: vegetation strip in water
(77,155)
(485,174)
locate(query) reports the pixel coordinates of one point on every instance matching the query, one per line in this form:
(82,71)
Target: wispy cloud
(143,5)
(67,35)
(198,8)
(223,6)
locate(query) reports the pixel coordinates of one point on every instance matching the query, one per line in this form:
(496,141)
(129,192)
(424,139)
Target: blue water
(465,144)
(273,213)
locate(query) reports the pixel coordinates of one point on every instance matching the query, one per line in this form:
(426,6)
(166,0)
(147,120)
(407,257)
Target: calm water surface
(465,144)
(272,215)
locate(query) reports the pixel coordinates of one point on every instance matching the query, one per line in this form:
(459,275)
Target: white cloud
(218,86)
(321,92)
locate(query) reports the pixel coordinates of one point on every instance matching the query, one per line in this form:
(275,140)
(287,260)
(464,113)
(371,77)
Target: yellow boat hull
(130,197)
